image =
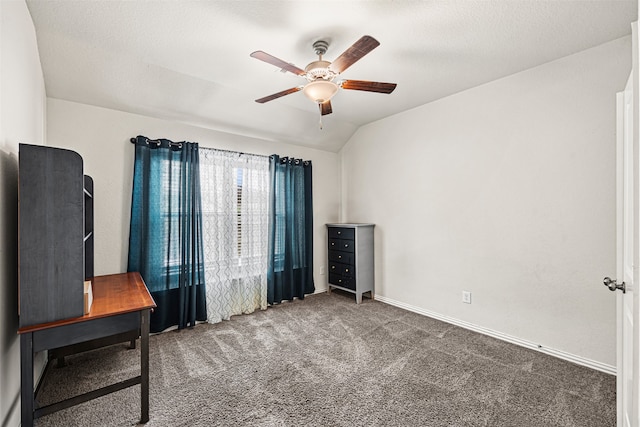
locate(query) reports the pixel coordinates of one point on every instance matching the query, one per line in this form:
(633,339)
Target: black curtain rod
(147,140)
(284,159)
(179,144)
(234,152)
(158,142)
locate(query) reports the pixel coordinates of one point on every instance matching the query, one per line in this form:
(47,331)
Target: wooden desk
(120,312)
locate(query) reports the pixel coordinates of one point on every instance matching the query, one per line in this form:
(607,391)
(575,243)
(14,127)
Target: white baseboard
(593,364)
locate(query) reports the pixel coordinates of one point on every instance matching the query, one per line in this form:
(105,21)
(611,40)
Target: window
(239,210)
(235,204)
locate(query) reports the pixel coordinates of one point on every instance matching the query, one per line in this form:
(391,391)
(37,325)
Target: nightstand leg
(358,298)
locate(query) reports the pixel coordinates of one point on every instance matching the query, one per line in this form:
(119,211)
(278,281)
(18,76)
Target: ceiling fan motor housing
(319,70)
(320,47)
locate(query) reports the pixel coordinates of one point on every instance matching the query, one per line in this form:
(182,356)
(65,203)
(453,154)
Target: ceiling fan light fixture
(320,91)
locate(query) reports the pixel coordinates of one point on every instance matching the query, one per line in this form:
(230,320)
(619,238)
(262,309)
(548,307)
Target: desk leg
(26,379)
(144,366)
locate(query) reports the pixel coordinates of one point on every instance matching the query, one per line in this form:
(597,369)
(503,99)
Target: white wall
(101,136)
(506,190)
(22,119)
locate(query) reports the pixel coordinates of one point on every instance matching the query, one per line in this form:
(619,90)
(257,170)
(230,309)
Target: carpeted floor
(326,361)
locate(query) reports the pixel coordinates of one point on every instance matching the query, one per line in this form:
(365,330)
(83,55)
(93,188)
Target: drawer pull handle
(346,245)
(339,256)
(333,244)
(346,270)
(333,267)
(339,232)
(339,280)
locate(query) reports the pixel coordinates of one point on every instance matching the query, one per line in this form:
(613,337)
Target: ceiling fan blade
(279,94)
(359,49)
(368,86)
(270,59)
(325,108)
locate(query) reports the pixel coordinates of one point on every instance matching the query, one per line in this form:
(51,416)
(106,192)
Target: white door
(628,322)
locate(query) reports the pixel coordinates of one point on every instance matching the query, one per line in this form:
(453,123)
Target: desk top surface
(112,295)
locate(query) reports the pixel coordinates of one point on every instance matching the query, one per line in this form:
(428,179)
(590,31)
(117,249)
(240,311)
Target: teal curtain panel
(165,240)
(290,257)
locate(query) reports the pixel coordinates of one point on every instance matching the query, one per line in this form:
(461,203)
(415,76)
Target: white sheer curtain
(235,214)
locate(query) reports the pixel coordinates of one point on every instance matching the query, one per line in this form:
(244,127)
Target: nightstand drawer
(341,245)
(341,233)
(345,282)
(343,269)
(343,257)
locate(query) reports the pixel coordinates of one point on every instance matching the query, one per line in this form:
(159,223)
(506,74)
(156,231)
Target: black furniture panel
(88,227)
(84,331)
(52,229)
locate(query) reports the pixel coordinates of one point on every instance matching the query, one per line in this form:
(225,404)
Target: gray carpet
(325,361)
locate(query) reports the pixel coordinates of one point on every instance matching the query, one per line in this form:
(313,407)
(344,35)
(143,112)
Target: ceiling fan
(320,74)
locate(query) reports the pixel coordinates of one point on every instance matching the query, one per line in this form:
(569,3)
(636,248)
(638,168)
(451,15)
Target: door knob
(613,285)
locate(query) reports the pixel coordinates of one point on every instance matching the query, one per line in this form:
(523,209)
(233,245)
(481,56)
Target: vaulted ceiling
(189,61)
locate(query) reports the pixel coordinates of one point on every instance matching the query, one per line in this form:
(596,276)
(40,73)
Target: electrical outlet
(322,270)
(466,297)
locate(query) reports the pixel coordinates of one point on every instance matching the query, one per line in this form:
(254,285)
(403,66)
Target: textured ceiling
(189,60)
